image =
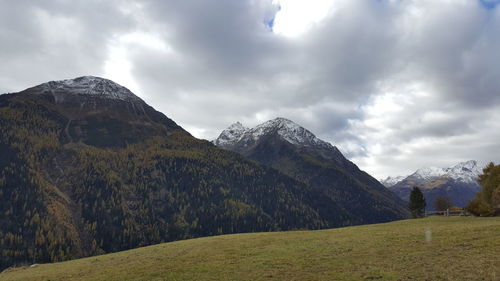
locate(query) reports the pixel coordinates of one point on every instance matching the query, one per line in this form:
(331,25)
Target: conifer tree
(417,203)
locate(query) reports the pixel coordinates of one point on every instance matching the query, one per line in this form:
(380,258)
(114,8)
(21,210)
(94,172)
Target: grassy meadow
(447,248)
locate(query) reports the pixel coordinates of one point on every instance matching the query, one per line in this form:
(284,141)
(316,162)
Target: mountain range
(88,167)
(458,183)
(295,151)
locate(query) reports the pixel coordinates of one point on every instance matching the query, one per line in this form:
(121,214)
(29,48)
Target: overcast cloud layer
(395,84)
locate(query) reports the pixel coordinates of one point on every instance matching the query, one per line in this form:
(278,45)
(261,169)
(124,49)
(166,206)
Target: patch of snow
(91,85)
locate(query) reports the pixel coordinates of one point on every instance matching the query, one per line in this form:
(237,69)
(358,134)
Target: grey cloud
(232,53)
(455,50)
(226,36)
(48,40)
(223,64)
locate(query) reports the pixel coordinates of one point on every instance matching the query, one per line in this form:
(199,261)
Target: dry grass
(459,249)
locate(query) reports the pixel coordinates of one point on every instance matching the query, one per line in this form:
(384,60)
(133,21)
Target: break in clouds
(395,84)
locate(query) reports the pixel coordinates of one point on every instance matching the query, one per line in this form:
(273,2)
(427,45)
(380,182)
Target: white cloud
(118,66)
(296,16)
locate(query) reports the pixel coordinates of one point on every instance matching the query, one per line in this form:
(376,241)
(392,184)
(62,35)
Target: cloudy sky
(395,84)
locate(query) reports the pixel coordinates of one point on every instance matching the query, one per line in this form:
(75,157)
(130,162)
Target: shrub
(479,207)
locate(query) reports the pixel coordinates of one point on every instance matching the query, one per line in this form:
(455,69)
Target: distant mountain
(458,183)
(295,151)
(390,181)
(87,168)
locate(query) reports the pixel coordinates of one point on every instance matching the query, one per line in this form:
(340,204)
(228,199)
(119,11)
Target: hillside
(459,249)
(89,168)
(295,151)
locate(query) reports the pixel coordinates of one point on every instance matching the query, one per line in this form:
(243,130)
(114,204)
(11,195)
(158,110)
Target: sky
(396,85)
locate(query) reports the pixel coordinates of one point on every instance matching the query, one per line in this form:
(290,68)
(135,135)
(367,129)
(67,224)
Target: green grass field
(458,249)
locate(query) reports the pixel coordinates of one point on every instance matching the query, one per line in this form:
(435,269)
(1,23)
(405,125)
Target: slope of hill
(295,151)
(88,168)
(458,183)
(455,249)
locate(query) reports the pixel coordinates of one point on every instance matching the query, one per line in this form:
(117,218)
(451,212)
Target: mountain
(298,153)
(237,136)
(458,183)
(87,168)
(390,181)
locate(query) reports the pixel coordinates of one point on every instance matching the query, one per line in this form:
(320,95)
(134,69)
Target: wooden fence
(448,213)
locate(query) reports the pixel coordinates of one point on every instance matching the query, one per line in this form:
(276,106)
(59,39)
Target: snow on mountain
(89,85)
(429,172)
(231,135)
(458,183)
(466,172)
(390,181)
(287,129)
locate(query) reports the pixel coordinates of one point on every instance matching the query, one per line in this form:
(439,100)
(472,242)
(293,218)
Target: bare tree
(442,203)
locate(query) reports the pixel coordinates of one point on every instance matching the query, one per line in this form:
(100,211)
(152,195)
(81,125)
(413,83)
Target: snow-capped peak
(230,135)
(429,172)
(90,85)
(467,172)
(288,130)
(390,181)
(285,128)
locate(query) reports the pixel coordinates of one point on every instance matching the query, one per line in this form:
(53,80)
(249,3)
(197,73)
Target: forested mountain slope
(88,168)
